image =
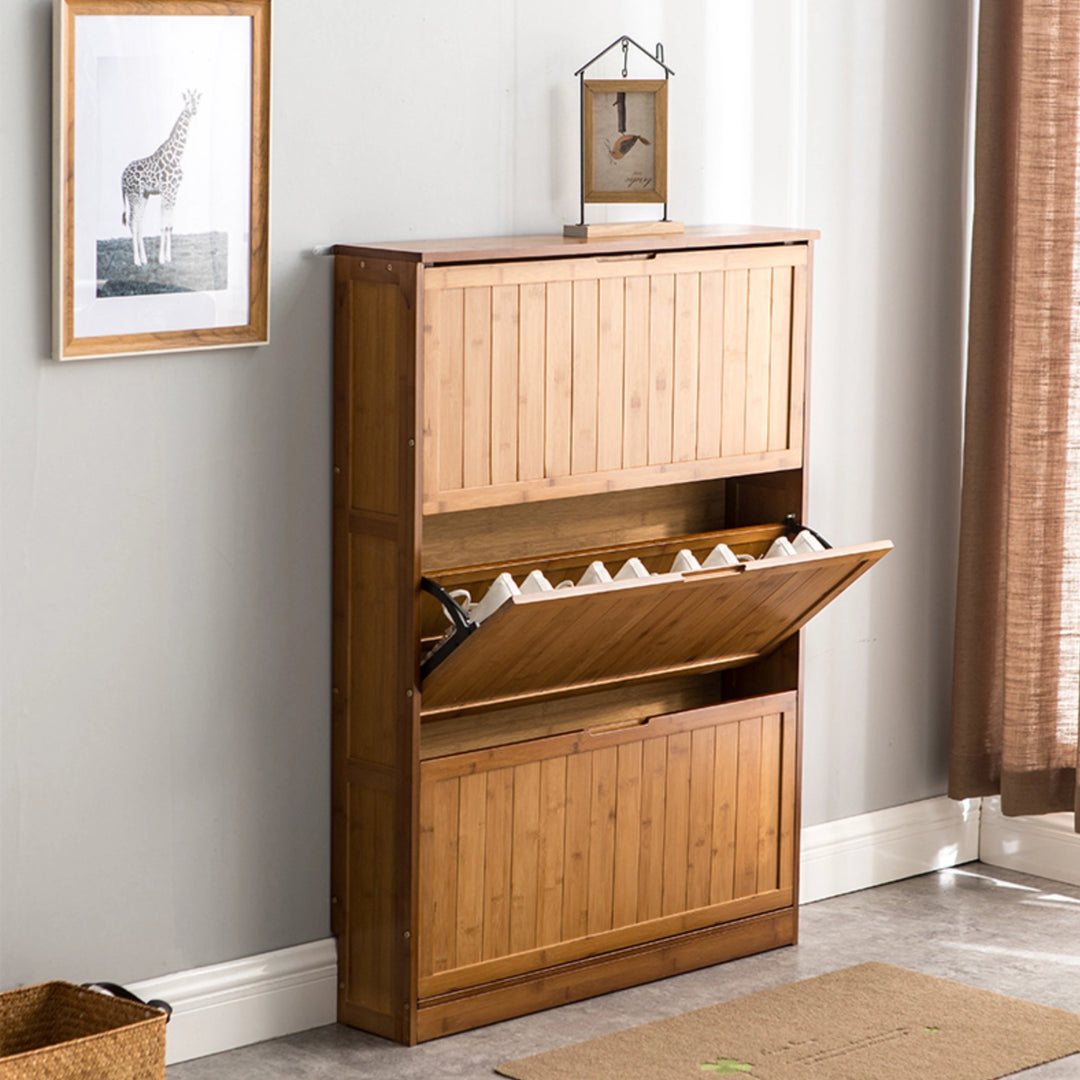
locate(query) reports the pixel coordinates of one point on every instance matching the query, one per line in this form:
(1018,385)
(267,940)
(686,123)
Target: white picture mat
(130,76)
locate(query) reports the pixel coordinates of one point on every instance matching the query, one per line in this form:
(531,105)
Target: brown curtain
(1017,660)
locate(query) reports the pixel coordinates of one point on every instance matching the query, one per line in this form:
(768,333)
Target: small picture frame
(624,140)
(161,175)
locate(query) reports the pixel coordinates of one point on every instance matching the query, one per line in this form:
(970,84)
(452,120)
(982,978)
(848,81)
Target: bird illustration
(624,144)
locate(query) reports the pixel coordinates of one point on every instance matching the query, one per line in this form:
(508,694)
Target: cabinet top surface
(482,249)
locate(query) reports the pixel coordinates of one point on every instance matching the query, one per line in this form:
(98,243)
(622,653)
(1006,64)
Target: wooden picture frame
(624,140)
(161,161)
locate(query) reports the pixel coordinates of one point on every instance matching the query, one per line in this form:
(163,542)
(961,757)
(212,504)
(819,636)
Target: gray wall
(164,521)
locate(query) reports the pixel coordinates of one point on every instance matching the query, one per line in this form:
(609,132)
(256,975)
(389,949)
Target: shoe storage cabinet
(600,786)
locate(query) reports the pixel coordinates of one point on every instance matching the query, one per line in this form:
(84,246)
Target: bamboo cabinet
(600,786)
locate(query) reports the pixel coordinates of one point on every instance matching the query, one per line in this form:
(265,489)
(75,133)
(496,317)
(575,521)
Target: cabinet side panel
(374,625)
(373,330)
(376,604)
(369,902)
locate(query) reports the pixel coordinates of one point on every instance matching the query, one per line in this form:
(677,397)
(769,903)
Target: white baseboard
(887,845)
(1046,846)
(244,1001)
(262,997)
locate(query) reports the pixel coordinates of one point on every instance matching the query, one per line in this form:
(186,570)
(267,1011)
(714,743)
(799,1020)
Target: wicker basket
(59,1031)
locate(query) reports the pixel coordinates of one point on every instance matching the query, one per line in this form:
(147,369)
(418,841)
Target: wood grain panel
(602,838)
(748,807)
(661,366)
(472,843)
(545,643)
(600,973)
(710,365)
(624,899)
(609,833)
(585,383)
(369,902)
(372,681)
(375,709)
(685,367)
(575,914)
(799,329)
(676,822)
(609,413)
(526,848)
(476,404)
(768,844)
(374,328)
(788,840)
(682,368)
(438,946)
(780,360)
(636,373)
(552,847)
(504,384)
(532,325)
(448,317)
(700,831)
(758,360)
(498,853)
(725,800)
(650,903)
(733,393)
(558,381)
(626,265)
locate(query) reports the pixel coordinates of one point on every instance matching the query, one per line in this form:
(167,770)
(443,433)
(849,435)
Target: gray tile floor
(980,925)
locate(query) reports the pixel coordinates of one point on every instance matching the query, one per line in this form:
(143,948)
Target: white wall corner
(887,845)
(245,1001)
(1045,845)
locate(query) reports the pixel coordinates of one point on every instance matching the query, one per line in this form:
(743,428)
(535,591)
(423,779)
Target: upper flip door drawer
(551,643)
(564,377)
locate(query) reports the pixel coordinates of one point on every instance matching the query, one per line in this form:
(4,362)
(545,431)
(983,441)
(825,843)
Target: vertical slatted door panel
(609,374)
(601,841)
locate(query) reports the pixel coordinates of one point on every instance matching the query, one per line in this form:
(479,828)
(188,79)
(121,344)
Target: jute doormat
(870,1022)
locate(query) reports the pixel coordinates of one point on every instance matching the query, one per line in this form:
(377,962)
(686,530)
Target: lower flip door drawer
(553,851)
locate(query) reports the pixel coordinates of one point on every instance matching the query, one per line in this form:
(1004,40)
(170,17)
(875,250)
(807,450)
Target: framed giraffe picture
(624,140)
(161,161)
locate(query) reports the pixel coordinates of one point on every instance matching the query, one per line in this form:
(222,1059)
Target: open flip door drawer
(543,644)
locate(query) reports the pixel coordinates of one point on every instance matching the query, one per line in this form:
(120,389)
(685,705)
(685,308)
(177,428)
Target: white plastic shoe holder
(465,615)
(597,573)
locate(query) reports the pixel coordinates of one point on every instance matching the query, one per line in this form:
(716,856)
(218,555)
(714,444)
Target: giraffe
(158,174)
